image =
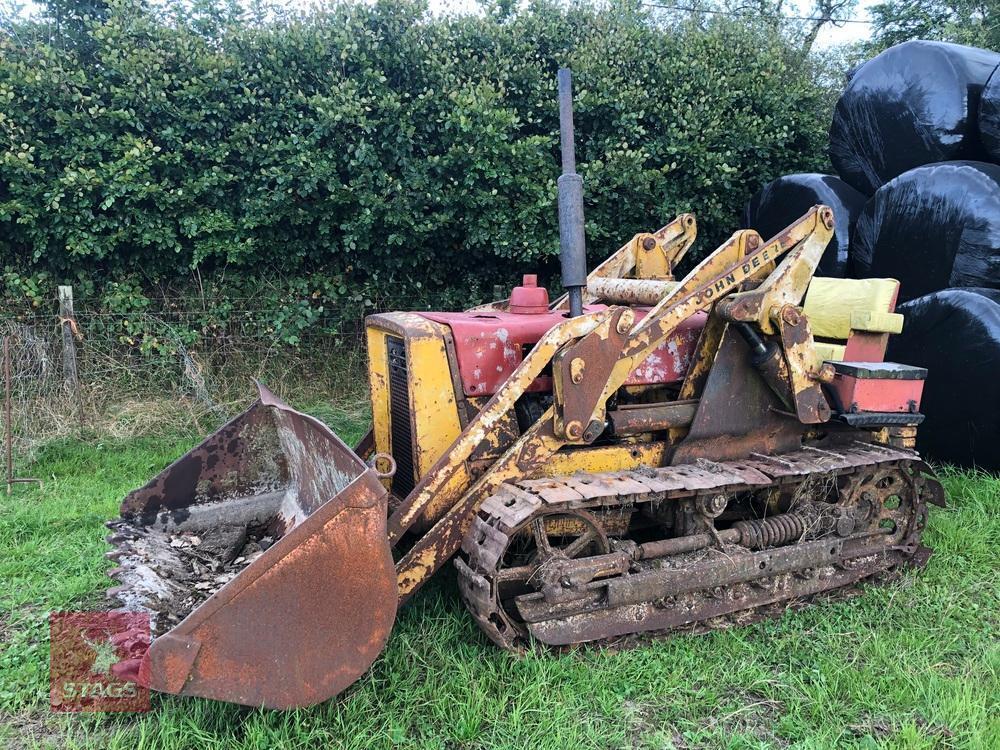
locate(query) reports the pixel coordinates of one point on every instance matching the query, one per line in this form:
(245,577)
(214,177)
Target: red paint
(876,394)
(490,346)
(864,346)
(869,346)
(529,298)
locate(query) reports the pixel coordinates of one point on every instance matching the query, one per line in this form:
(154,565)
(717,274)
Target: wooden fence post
(67,322)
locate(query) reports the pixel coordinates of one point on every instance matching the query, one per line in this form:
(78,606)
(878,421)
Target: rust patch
(268,574)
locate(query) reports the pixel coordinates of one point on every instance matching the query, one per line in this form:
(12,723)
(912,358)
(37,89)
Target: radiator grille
(399,417)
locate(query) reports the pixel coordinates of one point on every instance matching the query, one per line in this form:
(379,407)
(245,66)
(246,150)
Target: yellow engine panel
(417,408)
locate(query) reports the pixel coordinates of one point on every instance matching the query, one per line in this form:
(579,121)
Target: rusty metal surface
(436,547)
(488,347)
(806,373)
(591,486)
(690,609)
(867,522)
(295,621)
(242,458)
(591,490)
(437,485)
(643,418)
(811,460)
(654,584)
(640,258)
(580,370)
(773,307)
(805,240)
(738,413)
(630,291)
(505,433)
(700,367)
(744,257)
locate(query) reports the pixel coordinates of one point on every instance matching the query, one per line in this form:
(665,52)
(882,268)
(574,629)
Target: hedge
(370,152)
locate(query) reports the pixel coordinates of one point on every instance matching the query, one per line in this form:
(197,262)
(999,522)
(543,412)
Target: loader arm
(646,256)
(591,365)
(743,258)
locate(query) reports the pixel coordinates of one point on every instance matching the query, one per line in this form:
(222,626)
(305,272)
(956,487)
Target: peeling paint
(489,350)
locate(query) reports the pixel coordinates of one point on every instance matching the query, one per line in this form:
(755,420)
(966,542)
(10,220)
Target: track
(603,557)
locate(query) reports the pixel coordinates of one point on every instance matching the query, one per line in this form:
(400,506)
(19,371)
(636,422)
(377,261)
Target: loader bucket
(262,559)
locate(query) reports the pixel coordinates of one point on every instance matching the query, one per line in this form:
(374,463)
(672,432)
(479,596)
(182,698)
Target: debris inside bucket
(168,569)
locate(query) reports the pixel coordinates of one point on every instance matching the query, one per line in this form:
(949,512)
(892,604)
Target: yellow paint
(432,396)
(652,263)
(804,242)
(539,449)
(441,501)
(378,385)
(836,306)
(434,419)
(623,457)
(672,242)
(800,357)
(827,352)
(534,449)
(440,488)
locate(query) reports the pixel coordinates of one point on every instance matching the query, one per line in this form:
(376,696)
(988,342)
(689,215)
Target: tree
(973,22)
(826,12)
(779,15)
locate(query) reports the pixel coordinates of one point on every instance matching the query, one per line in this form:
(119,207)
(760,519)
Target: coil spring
(771,532)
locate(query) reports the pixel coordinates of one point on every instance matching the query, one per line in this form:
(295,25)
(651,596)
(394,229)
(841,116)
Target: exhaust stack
(572,246)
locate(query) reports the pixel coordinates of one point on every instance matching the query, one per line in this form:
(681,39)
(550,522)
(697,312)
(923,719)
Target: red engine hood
(490,346)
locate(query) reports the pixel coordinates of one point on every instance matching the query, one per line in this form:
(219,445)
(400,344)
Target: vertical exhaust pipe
(572,247)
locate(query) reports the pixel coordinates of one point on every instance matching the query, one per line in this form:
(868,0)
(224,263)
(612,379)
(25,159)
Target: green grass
(914,664)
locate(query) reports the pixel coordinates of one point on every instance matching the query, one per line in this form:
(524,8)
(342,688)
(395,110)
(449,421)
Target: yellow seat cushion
(876,322)
(835,306)
(830,352)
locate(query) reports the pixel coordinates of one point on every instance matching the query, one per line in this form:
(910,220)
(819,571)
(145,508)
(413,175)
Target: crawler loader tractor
(641,455)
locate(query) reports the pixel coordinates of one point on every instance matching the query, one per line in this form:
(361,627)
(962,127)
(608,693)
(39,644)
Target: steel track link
(797,573)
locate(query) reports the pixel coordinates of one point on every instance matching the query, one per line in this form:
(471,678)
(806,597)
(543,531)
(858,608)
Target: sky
(829,36)
(848,32)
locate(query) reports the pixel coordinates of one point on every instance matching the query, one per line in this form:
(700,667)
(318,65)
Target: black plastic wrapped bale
(989,116)
(916,103)
(955,334)
(782,201)
(934,227)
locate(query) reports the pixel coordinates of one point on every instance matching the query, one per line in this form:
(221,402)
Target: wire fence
(167,367)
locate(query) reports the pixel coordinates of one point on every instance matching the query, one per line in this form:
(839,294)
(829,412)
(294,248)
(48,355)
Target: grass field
(913,664)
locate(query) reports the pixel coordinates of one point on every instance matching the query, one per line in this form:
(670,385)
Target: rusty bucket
(262,559)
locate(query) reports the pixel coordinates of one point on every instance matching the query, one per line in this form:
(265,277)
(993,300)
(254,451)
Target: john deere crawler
(641,455)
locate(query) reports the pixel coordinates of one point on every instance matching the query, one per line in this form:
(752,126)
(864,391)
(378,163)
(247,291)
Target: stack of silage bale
(915,141)
(782,201)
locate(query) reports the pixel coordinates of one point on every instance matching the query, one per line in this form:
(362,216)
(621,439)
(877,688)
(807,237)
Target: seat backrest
(852,318)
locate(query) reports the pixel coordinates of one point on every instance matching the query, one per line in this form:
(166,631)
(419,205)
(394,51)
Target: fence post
(67,322)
